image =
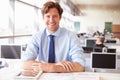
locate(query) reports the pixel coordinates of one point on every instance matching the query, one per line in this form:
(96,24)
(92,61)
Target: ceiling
(108,4)
(111,2)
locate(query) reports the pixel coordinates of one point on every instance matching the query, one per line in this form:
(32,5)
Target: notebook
(19,76)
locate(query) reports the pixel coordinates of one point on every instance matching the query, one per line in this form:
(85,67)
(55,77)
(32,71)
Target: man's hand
(63,66)
(31,68)
(71,66)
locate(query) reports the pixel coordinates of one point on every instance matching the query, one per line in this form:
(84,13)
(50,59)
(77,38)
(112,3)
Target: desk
(9,74)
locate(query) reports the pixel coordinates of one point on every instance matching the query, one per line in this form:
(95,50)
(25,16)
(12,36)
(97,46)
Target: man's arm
(71,66)
(64,66)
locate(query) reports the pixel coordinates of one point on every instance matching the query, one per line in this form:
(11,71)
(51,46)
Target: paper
(86,76)
(69,76)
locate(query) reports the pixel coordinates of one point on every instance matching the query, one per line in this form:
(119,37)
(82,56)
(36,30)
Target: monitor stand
(94,70)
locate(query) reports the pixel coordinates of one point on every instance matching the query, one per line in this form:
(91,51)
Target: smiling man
(62,53)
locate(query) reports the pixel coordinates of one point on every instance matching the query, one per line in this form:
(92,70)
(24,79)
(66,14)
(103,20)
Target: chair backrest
(110,41)
(97,49)
(109,50)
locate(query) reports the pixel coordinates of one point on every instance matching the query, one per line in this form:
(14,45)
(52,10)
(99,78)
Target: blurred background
(19,19)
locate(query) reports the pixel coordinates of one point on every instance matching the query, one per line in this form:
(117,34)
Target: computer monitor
(87,49)
(90,42)
(10,51)
(103,60)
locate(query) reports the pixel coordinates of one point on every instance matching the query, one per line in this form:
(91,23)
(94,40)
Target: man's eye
(55,16)
(47,16)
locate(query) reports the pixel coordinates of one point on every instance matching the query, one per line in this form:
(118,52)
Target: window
(4,15)
(24,19)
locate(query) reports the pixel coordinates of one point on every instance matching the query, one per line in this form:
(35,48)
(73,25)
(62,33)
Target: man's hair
(48,5)
(102,39)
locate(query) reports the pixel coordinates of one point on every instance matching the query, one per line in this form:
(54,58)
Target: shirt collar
(55,34)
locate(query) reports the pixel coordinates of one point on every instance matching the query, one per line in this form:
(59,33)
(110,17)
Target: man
(68,52)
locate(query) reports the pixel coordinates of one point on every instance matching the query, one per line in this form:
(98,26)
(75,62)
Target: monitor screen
(11,51)
(90,42)
(103,60)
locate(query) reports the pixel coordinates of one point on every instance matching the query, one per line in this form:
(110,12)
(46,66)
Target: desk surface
(80,76)
(9,74)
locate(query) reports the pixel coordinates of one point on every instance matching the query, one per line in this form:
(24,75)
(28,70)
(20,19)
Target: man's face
(52,19)
(98,41)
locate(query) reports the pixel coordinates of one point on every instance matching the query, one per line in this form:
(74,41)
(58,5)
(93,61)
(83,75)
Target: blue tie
(51,50)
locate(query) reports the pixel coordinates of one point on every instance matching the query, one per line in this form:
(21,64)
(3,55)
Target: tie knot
(51,36)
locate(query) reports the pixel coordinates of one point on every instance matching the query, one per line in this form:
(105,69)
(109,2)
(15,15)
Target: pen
(19,74)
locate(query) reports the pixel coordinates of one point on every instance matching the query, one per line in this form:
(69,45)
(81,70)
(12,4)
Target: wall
(116,30)
(69,10)
(94,19)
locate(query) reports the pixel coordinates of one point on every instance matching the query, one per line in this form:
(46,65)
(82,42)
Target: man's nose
(51,18)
